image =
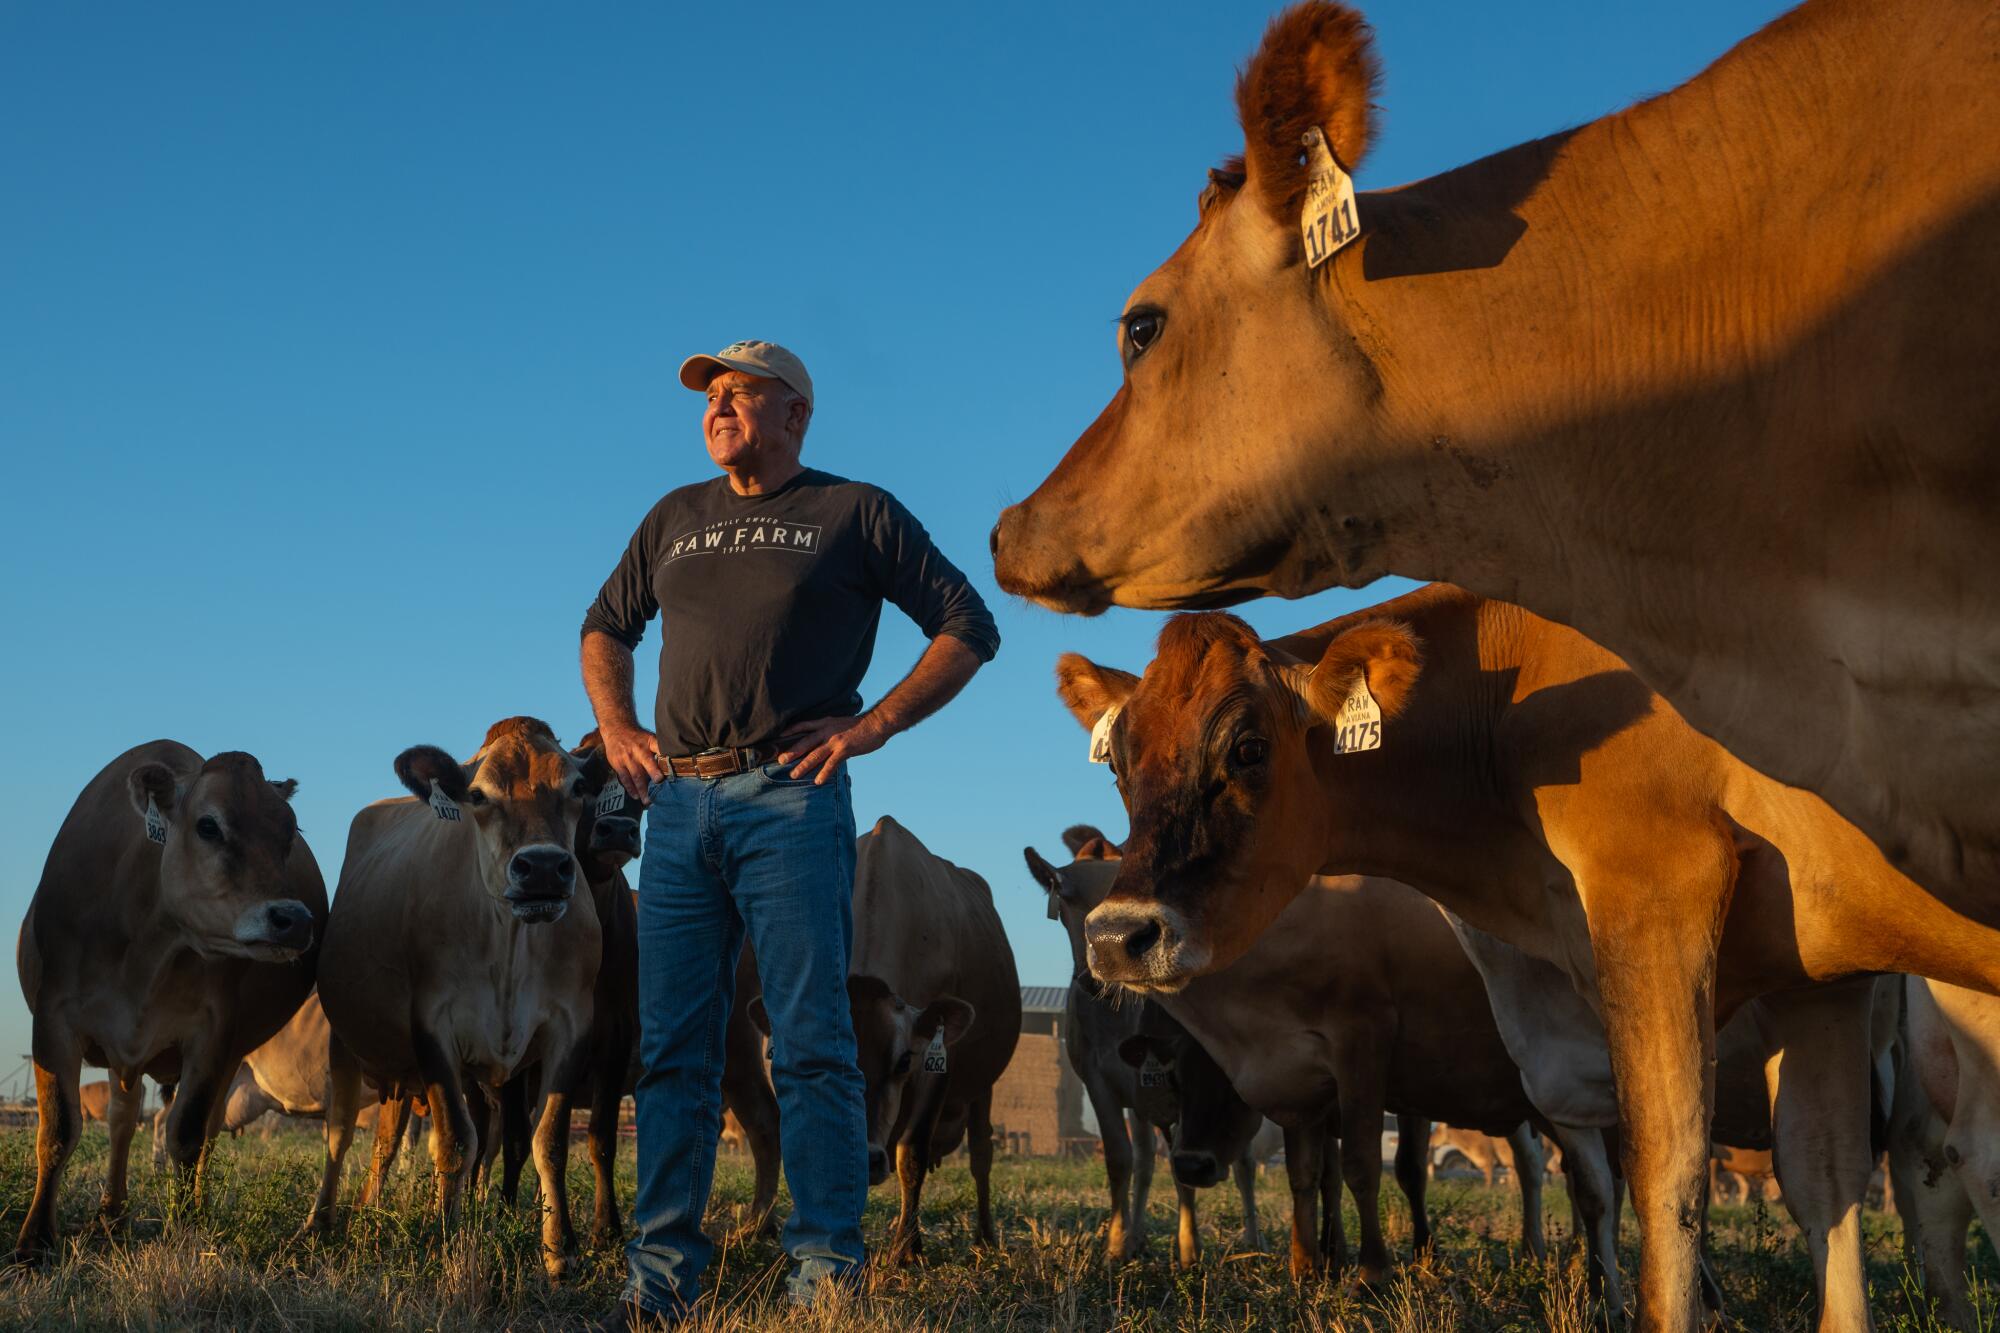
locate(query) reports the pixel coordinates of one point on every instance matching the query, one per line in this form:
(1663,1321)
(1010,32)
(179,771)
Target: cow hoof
(32,1255)
(558,1267)
(111,1218)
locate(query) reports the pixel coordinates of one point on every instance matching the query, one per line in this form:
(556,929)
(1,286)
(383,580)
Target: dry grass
(241,1266)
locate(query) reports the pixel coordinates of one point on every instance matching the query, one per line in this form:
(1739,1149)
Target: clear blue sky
(337,344)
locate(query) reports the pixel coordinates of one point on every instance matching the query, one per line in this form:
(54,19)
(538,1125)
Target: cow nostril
(566,869)
(1141,941)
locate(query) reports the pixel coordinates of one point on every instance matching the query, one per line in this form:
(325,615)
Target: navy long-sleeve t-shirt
(769,604)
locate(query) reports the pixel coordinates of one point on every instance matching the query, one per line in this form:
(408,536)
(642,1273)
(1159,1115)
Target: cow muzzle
(1144,945)
(615,835)
(278,930)
(540,881)
(1198,1169)
(878,1164)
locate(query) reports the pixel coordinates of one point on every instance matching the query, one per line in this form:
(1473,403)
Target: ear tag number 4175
(1329,220)
(1359,723)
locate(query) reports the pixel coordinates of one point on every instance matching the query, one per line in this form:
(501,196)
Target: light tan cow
(177,925)
(463,953)
(94,1100)
(1639,376)
(1485,1153)
(930,962)
(1529,782)
(1736,1175)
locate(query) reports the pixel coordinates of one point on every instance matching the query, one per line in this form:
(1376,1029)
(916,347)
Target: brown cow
(176,926)
(936,1005)
(1528,781)
(1485,1153)
(1634,376)
(462,953)
(94,1099)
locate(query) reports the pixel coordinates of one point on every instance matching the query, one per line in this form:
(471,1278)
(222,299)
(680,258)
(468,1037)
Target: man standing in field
(769,583)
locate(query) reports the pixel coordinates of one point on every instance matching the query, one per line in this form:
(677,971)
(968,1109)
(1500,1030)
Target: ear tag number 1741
(1329,220)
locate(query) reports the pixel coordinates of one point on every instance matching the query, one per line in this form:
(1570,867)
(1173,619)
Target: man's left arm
(934,593)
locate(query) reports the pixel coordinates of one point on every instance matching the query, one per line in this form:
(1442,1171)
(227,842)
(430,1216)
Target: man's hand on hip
(820,746)
(633,752)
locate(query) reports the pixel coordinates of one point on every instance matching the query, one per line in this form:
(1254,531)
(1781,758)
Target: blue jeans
(763,853)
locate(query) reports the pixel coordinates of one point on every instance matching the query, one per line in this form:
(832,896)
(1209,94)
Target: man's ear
(420,765)
(1089,690)
(947,1011)
(154,782)
(1385,651)
(760,1017)
(1317,67)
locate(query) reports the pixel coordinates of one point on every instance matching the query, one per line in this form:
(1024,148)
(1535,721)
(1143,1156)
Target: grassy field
(241,1266)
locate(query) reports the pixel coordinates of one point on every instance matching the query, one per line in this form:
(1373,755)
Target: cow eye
(207,829)
(1142,329)
(1251,751)
(474,796)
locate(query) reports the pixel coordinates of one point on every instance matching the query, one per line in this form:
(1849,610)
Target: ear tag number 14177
(1329,220)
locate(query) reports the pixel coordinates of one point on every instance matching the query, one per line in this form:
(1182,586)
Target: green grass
(241,1265)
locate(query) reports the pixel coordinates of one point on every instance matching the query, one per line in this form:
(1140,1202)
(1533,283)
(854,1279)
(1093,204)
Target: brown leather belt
(716,763)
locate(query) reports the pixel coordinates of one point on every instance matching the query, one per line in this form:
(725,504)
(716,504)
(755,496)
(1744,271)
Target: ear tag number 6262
(934,1056)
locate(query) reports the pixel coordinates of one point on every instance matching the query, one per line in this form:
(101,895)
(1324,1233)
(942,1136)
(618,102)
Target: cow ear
(1045,874)
(1384,651)
(1089,690)
(1079,836)
(948,1012)
(421,765)
(155,784)
(760,1017)
(287,788)
(1316,68)
(864,989)
(596,767)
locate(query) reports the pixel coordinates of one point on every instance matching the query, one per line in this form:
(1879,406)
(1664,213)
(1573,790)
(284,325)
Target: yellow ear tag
(156,824)
(935,1060)
(446,808)
(1330,220)
(1358,726)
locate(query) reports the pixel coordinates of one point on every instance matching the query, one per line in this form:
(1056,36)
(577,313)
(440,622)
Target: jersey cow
(936,1004)
(1632,376)
(177,925)
(463,953)
(1103,1038)
(1526,779)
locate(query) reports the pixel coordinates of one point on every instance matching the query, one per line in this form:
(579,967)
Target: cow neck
(1431,807)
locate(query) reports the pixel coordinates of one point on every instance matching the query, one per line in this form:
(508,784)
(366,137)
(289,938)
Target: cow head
(890,1039)
(1181,1085)
(1228,462)
(522,796)
(1214,754)
(605,842)
(229,835)
(1077,887)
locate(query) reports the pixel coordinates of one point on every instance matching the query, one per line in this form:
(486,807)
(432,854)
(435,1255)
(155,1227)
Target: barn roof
(1044,999)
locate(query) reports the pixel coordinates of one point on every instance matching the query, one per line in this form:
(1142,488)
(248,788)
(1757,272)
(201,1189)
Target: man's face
(750,419)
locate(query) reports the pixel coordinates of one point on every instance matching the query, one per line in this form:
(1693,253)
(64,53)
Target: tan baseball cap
(752,358)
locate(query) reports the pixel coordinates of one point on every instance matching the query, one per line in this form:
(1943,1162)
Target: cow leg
(160,1125)
(389,1118)
(1930,1199)
(605,1224)
(343,1104)
(1970,1021)
(1303,1149)
(485,1140)
(454,1129)
(1332,1229)
(979,1148)
(1527,1146)
(122,1119)
(1413,1177)
(58,1070)
(1187,1237)
(218,1116)
(552,1166)
(514,1146)
(1818,1081)
(747,1091)
(1361,1165)
(1122,1244)
(1593,1202)
(913,1163)
(1144,1151)
(1656,980)
(1245,1171)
